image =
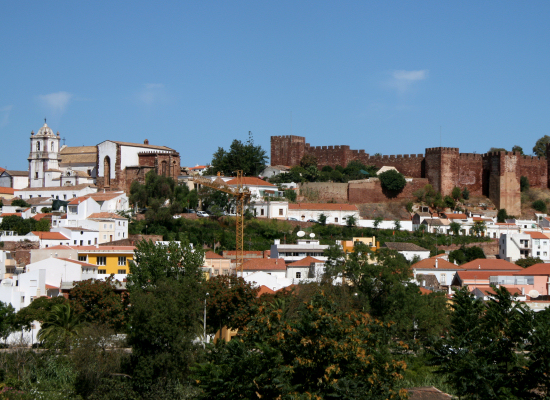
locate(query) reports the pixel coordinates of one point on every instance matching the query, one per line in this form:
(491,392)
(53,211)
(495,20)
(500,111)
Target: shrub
(465,194)
(539,205)
(456,194)
(524,184)
(502,215)
(392,180)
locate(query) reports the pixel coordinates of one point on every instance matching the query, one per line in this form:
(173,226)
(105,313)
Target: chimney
(146,141)
(436,263)
(424,283)
(523,291)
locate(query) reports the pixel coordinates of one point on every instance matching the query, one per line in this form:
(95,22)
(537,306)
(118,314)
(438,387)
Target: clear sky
(384,76)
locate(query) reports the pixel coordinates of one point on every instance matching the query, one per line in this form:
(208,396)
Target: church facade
(110,165)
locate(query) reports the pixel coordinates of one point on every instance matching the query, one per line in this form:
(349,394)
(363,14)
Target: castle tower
(44,155)
(442,168)
(287,150)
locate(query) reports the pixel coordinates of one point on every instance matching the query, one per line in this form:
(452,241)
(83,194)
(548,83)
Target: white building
(14,179)
(404,225)
(270,209)
(515,246)
(270,266)
(409,250)
(335,213)
(65,193)
(77,236)
(305,270)
(442,269)
(50,239)
(259,189)
(302,249)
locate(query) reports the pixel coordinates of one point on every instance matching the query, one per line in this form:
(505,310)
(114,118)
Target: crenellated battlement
(470,156)
(442,150)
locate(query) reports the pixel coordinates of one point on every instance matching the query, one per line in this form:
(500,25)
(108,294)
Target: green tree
(20,203)
(540,146)
(456,193)
(392,180)
(322,219)
(38,310)
(98,302)
(290,195)
(61,326)
(167,299)
(449,202)
(351,221)
(517,149)
(466,194)
(247,157)
(528,261)
(455,228)
(496,149)
(325,353)
(539,205)
(409,207)
(502,215)
(479,227)
(397,225)
(8,320)
(466,254)
(308,160)
(377,221)
(524,184)
(230,302)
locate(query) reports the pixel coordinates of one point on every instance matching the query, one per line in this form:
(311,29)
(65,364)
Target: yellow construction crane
(241,195)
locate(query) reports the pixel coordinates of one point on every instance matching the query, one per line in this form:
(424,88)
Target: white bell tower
(44,155)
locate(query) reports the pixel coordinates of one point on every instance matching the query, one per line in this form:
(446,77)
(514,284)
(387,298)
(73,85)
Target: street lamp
(204,323)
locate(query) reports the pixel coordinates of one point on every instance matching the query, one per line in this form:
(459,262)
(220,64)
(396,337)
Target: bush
(502,215)
(456,194)
(539,205)
(524,184)
(465,194)
(290,195)
(392,180)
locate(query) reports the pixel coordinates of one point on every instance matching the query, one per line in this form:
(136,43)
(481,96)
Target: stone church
(111,165)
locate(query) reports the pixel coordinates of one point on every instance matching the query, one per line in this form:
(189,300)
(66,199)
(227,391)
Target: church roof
(45,131)
(147,146)
(57,188)
(82,154)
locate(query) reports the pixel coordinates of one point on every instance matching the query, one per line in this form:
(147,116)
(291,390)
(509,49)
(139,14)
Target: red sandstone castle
(495,175)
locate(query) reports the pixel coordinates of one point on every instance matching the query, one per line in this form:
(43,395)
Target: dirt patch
(389,211)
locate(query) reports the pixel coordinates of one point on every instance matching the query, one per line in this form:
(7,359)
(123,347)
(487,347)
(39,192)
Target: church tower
(44,155)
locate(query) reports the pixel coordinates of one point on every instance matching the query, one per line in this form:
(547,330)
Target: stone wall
(287,150)
(370,191)
(323,192)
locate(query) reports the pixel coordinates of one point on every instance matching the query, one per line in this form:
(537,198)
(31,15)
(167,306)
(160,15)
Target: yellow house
(109,259)
(347,245)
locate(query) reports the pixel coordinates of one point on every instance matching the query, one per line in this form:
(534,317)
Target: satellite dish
(534,293)
(312,235)
(301,234)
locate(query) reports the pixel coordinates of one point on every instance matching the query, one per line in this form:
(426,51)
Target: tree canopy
(247,157)
(540,146)
(392,180)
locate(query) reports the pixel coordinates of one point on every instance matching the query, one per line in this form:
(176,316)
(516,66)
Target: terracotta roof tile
(537,235)
(6,190)
(537,269)
(304,262)
(456,216)
(50,235)
(82,263)
(264,264)
(265,290)
(429,263)
(211,254)
(490,264)
(103,215)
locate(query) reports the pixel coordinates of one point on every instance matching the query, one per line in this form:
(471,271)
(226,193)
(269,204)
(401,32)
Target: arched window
(37,146)
(107,171)
(164,167)
(51,147)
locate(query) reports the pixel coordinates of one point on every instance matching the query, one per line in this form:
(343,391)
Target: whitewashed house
(336,213)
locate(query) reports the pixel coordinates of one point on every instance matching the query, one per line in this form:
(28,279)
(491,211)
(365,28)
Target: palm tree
(61,325)
(455,228)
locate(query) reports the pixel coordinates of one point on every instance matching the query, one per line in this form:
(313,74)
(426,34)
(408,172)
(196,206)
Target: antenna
(439,135)
(291,123)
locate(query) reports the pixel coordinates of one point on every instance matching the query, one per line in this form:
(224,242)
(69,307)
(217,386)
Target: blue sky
(383,76)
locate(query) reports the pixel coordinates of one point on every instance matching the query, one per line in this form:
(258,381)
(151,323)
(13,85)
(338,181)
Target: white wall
(369,223)
(104,149)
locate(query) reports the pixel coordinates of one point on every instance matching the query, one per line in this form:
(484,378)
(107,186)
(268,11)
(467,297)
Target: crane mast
(241,195)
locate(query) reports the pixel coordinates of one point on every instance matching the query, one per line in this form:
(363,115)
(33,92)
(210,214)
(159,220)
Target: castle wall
(504,174)
(535,169)
(372,192)
(324,191)
(287,150)
(470,173)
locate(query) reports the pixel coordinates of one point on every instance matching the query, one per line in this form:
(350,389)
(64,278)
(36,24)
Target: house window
(104,226)
(64,197)
(280,211)
(262,211)
(122,271)
(102,271)
(110,226)
(122,261)
(37,146)
(83,258)
(101,261)
(298,275)
(74,242)
(443,279)
(89,242)
(335,219)
(105,237)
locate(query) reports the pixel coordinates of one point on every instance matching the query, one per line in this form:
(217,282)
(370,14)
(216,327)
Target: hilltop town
(446,226)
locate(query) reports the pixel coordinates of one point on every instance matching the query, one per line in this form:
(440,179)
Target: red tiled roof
(456,216)
(8,214)
(78,200)
(211,254)
(264,264)
(250,181)
(82,263)
(50,235)
(104,196)
(429,263)
(425,291)
(265,290)
(537,235)
(51,287)
(40,216)
(304,262)
(489,290)
(480,219)
(198,167)
(537,269)
(482,275)
(94,248)
(490,264)
(102,215)
(322,206)
(6,190)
